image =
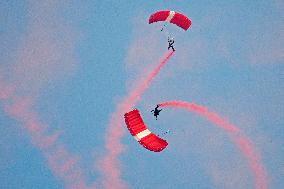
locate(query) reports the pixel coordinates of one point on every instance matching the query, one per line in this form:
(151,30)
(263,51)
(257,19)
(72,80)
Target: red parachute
(141,133)
(171,17)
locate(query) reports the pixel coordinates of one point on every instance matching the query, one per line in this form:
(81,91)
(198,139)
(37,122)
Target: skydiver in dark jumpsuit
(171,42)
(156,111)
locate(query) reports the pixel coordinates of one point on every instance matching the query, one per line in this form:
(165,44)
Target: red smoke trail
(242,142)
(109,164)
(63,165)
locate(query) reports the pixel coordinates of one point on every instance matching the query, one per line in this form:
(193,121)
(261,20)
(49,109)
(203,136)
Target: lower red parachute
(141,133)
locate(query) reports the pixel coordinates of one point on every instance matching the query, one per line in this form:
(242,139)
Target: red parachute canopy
(140,132)
(171,17)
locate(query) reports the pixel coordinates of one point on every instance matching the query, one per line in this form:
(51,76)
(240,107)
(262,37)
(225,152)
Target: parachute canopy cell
(171,17)
(141,133)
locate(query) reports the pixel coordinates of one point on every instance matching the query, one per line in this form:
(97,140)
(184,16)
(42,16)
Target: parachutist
(156,111)
(171,42)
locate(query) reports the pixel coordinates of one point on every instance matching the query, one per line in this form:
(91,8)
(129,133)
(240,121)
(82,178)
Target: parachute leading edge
(141,133)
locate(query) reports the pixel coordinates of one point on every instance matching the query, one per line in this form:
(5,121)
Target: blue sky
(70,64)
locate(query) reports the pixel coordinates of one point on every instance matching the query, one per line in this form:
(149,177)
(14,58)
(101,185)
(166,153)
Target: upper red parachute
(140,132)
(171,17)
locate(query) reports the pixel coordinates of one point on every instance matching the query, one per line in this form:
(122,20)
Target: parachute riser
(165,31)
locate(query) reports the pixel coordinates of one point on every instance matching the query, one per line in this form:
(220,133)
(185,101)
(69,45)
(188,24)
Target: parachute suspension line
(163,27)
(164,133)
(165,31)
